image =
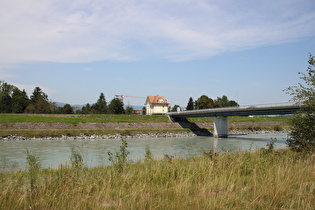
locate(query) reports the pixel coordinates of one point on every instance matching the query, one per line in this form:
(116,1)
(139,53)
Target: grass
(75,119)
(107,118)
(265,179)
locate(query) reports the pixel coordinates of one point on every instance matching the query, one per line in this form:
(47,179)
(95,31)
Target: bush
(302,135)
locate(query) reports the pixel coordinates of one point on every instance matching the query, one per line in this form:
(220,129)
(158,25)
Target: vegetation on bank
(107,118)
(82,118)
(266,179)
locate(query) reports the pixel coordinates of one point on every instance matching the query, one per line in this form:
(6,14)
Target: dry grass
(262,180)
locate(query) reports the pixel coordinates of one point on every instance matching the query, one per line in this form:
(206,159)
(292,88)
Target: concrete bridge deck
(221,114)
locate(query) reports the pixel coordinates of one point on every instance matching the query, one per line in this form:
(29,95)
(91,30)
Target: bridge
(221,114)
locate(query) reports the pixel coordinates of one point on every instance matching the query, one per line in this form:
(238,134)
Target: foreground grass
(262,180)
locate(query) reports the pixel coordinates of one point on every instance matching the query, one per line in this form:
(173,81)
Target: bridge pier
(220,127)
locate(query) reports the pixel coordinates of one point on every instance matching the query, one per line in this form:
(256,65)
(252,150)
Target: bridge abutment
(220,127)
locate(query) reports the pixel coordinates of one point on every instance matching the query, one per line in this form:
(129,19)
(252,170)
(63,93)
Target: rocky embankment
(34,126)
(247,128)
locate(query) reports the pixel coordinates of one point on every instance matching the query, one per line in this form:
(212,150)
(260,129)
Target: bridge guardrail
(244,107)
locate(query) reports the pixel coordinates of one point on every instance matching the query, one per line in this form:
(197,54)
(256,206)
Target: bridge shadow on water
(184,123)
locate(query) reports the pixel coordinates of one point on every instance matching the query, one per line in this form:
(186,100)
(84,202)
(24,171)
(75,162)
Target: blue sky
(248,50)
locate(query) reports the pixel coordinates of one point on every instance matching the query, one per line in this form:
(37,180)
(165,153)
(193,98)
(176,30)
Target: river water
(94,152)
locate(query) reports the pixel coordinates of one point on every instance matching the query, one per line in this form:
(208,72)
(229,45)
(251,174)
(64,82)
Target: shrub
(120,158)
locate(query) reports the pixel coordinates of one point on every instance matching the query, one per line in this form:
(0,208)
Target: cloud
(88,69)
(85,31)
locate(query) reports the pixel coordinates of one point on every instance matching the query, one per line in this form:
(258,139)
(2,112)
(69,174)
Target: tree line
(14,100)
(204,102)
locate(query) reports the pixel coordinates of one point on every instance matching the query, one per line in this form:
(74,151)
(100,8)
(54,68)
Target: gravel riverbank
(150,135)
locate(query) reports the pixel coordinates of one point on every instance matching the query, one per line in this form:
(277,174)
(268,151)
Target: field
(102,118)
(266,179)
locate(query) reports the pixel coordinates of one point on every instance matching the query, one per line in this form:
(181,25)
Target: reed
(266,179)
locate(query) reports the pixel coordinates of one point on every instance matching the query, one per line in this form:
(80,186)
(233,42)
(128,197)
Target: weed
(278,128)
(34,165)
(76,158)
(168,158)
(211,154)
(271,144)
(120,158)
(148,154)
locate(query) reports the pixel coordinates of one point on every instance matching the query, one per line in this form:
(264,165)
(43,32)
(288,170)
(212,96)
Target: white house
(156,105)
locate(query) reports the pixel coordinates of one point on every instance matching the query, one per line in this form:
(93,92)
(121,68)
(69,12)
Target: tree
(38,94)
(204,102)
(224,102)
(144,110)
(6,97)
(302,135)
(39,102)
(86,109)
(174,109)
(116,106)
(129,110)
(190,104)
(101,105)
(20,101)
(66,109)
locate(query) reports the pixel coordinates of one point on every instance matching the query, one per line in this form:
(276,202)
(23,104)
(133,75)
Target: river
(94,152)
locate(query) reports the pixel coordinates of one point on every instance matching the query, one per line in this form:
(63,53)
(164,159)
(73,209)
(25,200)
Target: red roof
(157,100)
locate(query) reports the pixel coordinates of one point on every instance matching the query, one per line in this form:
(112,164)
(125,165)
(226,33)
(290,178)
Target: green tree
(129,110)
(302,134)
(20,101)
(6,97)
(39,102)
(86,109)
(190,104)
(38,94)
(144,110)
(224,102)
(101,105)
(204,102)
(174,109)
(116,106)
(67,109)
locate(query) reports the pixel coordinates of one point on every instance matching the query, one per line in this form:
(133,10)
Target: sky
(248,50)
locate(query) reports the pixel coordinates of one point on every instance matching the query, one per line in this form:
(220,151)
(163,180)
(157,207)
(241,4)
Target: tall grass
(266,179)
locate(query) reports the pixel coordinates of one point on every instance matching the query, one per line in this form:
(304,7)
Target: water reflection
(53,152)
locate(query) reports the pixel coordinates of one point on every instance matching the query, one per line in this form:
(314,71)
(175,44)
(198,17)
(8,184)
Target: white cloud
(85,31)
(87,69)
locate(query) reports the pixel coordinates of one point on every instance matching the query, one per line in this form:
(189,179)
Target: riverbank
(139,135)
(266,179)
(25,126)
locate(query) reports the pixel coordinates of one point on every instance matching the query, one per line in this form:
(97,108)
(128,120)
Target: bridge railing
(270,105)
